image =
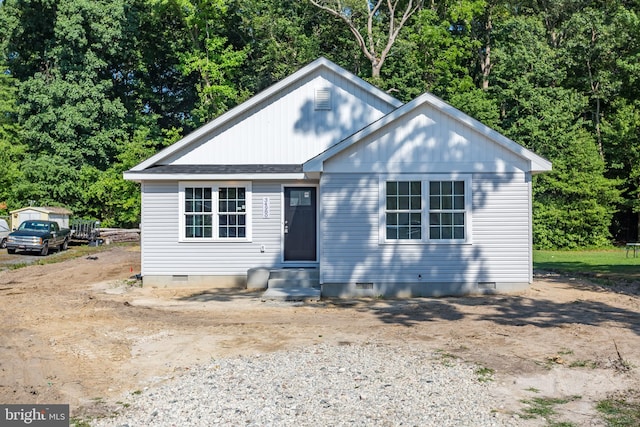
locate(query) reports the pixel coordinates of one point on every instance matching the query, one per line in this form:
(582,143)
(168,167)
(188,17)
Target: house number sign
(266,207)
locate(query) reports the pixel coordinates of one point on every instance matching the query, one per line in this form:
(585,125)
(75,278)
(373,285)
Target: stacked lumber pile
(117,235)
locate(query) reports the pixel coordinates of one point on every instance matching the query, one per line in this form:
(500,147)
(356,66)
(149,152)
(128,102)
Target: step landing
(287,284)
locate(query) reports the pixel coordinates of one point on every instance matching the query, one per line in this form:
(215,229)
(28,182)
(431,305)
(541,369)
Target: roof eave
(141,176)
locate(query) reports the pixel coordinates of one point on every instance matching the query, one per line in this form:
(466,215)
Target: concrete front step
(291,294)
(295,273)
(264,277)
(293,283)
(294,278)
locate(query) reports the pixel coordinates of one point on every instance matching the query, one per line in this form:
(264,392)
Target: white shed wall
(163,255)
(288,129)
(351,252)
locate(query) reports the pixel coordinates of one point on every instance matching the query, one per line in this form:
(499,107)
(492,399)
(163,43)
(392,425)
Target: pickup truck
(39,236)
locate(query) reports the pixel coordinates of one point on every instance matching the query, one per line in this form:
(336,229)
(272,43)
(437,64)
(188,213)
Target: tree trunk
(485,54)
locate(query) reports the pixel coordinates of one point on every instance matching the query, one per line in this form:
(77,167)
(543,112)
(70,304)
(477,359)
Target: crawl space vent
(487,285)
(323,99)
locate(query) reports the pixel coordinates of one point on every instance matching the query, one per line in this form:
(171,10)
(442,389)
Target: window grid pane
(198,212)
(232,212)
(403,210)
(446,210)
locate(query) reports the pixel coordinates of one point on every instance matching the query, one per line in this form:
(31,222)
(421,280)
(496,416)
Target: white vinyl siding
(165,254)
(288,129)
(352,253)
(426,141)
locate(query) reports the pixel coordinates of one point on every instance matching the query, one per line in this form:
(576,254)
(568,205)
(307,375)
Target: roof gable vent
(323,99)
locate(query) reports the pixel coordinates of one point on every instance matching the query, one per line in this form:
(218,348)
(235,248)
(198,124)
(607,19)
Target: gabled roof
(537,163)
(256,100)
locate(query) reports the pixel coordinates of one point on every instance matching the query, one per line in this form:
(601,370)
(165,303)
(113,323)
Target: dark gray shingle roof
(221,169)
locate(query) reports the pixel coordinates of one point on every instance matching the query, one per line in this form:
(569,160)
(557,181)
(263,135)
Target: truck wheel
(3,244)
(11,251)
(63,246)
(45,250)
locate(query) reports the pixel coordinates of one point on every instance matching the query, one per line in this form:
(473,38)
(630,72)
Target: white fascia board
(139,177)
(260,97)
(537,163)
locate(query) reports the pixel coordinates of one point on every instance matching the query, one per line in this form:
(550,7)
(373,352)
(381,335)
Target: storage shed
(47,213)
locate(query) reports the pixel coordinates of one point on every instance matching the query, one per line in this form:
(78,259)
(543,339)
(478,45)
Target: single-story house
(45,213)
(324,171)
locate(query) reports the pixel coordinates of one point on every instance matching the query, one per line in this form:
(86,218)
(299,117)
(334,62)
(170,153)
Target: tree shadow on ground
(222,295)
(506,310)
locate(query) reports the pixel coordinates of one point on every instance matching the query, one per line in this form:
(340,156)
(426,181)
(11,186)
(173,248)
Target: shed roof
(45,209)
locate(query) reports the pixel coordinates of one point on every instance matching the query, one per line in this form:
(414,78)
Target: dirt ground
(82,332)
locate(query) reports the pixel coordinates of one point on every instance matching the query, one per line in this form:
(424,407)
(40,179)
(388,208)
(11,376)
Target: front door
(300,224)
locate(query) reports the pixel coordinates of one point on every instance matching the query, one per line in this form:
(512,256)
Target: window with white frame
(447,210)
(215,211)
(423,210)
(198,216)
(404,210)
(232,212)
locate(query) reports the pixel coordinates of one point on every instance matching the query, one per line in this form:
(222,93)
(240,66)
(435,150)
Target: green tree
(280,37)
(11,150)
(436,55)
(574,204)
(375,25)
(209,56)
(67,111)
(114,201)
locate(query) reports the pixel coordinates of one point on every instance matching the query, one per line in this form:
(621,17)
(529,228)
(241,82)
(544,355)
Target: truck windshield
(33,225)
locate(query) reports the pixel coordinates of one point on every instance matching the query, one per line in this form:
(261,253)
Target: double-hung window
(404,210)
(426,210)
(447,210)
(232,212)
(198,212)
(215,211)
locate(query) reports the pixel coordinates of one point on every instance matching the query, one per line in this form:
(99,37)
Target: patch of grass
(565,351)
(544,407)
(73,252)
(607,264)
(485,374)
(622,411)
(583,364)
(17,265)
(445,358)
(77,422)
(533,390)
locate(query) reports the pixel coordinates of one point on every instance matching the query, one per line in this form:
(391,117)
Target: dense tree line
(90,88)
